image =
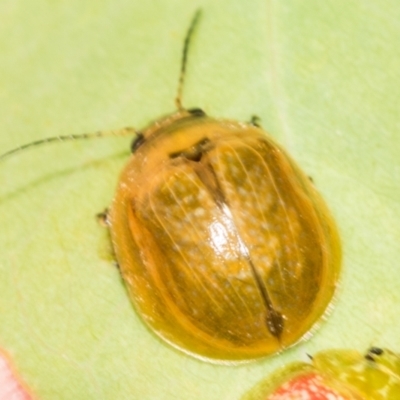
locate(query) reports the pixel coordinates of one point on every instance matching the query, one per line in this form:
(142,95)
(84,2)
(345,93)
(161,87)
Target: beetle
(342,374)
(227,250)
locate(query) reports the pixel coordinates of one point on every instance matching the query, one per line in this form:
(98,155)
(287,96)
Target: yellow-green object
(347,373)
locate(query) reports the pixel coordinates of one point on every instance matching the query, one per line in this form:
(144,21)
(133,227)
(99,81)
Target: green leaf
(322,76)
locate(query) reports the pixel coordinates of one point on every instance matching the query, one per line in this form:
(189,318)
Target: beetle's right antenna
(66,138)
(189,34)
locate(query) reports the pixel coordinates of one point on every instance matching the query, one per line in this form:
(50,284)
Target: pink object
(11,387)
(306,387)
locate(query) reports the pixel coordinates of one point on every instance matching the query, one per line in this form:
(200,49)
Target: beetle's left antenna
(65,138)
(189,34)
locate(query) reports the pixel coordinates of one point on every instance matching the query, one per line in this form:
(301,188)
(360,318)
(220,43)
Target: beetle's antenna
(99,134)
(189,34)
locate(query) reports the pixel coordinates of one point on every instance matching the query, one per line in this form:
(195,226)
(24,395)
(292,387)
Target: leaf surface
(322,76)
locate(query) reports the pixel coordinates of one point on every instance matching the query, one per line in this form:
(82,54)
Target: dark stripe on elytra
(274,318)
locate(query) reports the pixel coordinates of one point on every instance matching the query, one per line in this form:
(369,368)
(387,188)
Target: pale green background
(324,78)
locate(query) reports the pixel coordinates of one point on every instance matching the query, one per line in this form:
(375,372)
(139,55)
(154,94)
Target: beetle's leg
(255,121)
(104,218)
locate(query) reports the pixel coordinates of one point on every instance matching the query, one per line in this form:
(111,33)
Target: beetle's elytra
(227,250)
